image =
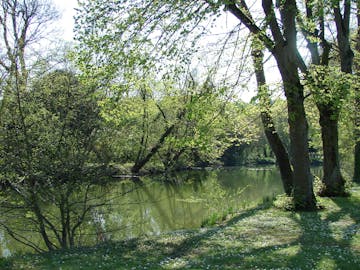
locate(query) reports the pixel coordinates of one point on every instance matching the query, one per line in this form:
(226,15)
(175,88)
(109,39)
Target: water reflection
(184,200)
(152,205)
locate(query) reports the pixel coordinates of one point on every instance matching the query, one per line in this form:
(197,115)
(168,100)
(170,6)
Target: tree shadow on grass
(131,254)
(319,240)
(189,244)
(326,241)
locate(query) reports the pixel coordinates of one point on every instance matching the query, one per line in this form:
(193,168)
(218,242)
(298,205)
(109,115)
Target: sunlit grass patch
(287,251)
(326,263)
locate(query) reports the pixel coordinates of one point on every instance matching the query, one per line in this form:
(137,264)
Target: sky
(66,22)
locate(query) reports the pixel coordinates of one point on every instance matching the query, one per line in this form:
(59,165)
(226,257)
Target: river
(158,204)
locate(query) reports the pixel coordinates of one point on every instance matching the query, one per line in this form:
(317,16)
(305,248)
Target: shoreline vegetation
(263,237)
(124,171)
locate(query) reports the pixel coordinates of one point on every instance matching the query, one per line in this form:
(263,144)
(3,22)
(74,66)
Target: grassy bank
(258,238)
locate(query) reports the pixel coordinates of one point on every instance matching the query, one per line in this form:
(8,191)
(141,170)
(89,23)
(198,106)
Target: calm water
(151,206)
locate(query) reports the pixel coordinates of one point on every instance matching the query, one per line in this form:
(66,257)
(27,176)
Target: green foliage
(200,133)
(217,218)
(141,60)
(127,37)
(47,128)
(284,202)
(47,138)
(329,87)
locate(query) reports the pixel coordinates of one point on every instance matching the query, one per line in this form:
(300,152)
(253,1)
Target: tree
(22,24)
(46,153)
(328,99)
(176,20)
(272,136)
(283,46)
(313,29)
(356,177)
(163,126)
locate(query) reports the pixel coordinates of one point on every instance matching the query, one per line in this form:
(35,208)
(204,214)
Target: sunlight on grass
(326,263)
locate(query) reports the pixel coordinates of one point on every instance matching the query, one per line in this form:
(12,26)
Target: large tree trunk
(303,193)
(271,134)
(334,184)
(289,62)
(356,177)
(280,152)
(343,38)
(304,198)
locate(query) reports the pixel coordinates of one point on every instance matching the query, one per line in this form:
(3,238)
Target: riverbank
(259,238)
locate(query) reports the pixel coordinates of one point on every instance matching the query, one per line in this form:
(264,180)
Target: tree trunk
(289,63)
(280,152)
(344,43)
(141,163)
(304,198)
(334,184)
(271,134)
(303,193)
(356,177)
(42,229)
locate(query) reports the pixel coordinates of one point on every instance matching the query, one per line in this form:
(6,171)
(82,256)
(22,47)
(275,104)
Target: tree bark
(289,62)
(271,134)
(334,183)
(342,22)
(141,163)
(356,177)
(42,228)
(277,146)
(304,198)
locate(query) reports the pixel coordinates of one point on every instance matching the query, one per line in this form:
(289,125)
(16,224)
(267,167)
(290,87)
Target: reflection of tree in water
(5,252)
(184,199)
(98,220)
(134,207)
(54,216)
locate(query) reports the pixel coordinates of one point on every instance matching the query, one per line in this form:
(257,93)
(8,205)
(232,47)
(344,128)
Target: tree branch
(268,8)
(21,239)
(248,21)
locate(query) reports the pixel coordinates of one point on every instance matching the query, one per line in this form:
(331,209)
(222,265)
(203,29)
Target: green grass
(259,238)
